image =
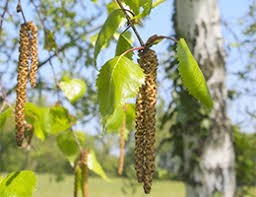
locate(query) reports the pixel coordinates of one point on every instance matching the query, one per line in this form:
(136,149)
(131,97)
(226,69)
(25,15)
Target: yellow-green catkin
(27,67)
(33,39)
(22,81)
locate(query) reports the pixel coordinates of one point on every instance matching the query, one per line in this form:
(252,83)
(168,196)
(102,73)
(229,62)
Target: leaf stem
(133,49)
(130,22)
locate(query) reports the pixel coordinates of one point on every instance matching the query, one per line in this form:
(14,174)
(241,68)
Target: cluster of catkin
(27,67)
(145,120)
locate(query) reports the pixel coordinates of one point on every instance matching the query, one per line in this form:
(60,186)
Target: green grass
(48,187)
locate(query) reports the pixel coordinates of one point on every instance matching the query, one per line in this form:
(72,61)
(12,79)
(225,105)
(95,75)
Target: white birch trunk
(198,21)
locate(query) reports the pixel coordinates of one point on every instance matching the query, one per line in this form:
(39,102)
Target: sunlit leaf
(191,75)
(134,5)
(47,120)
(108,29)
(157,2)
(68,145)
(60,119)
(39,118)
(18,184)
(119,79)
(127,112)
(111,6)
(130,115)
(146,5)
(123,44)
(95,166)
(73,89)
(114,122)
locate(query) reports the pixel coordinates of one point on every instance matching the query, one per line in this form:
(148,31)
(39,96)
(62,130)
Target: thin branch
(64,47)
(19,9)
(2,16)
(130,22)
(252,114)
(3,91)
(4,96)
(55,79)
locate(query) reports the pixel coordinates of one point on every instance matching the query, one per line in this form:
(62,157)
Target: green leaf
(4,118)
(1,179)
(47,120)
(68,145)
(157,2)
(73,89)
(119,79)
(113,5)
(191,75)
(18,184)
(39,118)
(108,29)
(95,166)
(130,116)
(134,5)
(60,119)
(123,44)
(146,5)
(114,122)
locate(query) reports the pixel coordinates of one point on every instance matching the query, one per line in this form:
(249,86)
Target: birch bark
(198,21)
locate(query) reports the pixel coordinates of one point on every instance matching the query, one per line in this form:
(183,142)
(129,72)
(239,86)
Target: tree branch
(64,47)
(2,16)
(19,9)
(130,22)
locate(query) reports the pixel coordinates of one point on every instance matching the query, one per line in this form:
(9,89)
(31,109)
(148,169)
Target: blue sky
(159,22)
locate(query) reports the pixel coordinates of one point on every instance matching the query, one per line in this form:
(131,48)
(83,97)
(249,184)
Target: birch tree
(207,147)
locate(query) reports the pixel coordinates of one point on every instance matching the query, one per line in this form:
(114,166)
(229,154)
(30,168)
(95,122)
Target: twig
(5,102)
(2,15)
(19,9)
(64,47)
(130,22)
(55,79)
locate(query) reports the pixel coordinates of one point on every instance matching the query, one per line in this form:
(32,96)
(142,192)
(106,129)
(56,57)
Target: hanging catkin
(145,120)
(27,55)
(22,81)
(139,134)
(33,53)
